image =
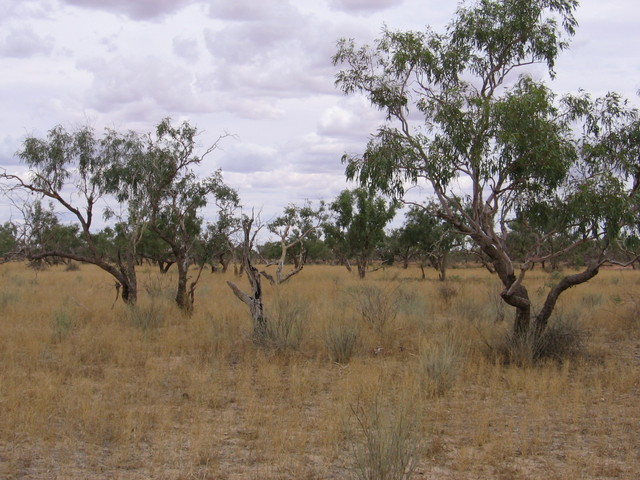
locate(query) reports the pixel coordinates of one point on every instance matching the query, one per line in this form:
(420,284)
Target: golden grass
(91,390)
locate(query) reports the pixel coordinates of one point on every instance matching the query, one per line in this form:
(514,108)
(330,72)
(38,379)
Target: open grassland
(384,370)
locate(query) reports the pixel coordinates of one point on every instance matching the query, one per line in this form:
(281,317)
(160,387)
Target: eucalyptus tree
(357,226)
(489,142)
(217,241)
(72,169)
(162,185)
(9,241)
(43,232)
(155,250)
(428,238)
(293,227)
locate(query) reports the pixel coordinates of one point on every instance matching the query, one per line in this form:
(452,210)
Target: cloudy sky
(258,69)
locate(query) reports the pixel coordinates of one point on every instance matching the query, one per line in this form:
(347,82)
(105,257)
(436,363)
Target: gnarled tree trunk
(253,300)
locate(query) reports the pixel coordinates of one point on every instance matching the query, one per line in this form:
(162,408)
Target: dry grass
(89,391)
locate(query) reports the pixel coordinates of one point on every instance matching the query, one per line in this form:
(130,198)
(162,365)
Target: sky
(259,70)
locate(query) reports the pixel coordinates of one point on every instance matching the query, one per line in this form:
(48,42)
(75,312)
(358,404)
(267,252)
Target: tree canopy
(465,118)
(357,227)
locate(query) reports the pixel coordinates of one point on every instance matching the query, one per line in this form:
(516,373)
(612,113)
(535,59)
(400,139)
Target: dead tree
(253,300)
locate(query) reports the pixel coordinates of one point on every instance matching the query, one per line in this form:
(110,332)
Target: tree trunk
(129,291)
(542,319)
(183,299)
(442,272)
(362,269)
(442,267)
(347,264)
(253,301)
(164,266)
(123,273)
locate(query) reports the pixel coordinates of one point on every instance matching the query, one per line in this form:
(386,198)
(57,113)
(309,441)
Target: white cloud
(254,109)
(351,118)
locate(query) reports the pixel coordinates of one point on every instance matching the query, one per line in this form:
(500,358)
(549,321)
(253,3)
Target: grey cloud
(140,84)
(246,158)
(134,9)
(321,155)
(25,43)
(284,59)
(245,43)
(8,148)
(186,48)
(363,6)
(249,10)
(25,9)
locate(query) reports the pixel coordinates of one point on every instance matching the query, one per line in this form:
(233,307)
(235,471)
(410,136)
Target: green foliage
(357,227)
(528,177)
(75,171)
(46,234)
(8,239)
(297,229)
(160,185)
(426,237)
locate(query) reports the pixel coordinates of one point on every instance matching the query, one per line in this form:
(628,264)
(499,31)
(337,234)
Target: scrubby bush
(561,339)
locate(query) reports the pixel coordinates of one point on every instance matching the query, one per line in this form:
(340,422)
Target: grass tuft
(385,444)
(378,306)
(341,340)
(286,323)
(439,366)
